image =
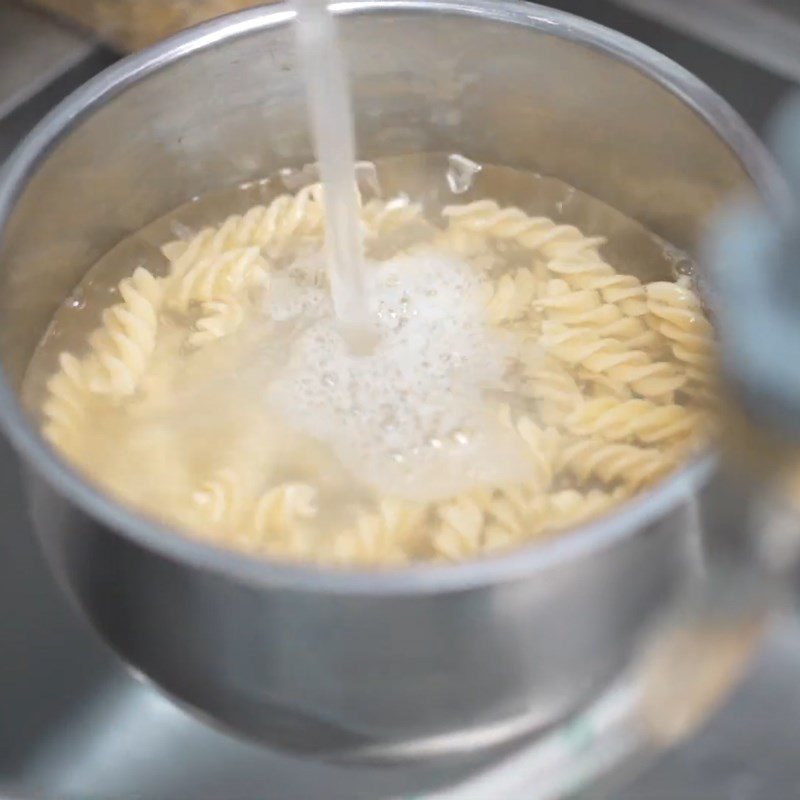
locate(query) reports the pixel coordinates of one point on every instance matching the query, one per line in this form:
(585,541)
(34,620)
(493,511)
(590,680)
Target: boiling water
(285,400)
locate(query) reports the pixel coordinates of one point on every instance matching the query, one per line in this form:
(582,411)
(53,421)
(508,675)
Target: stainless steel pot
(424,660)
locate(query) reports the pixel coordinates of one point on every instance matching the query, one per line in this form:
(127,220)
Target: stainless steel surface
(359,664)
(75,726)
(764,31)
(34,50)
(757,310)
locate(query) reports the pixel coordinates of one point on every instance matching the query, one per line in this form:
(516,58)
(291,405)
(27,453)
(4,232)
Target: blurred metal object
(754,281)
(356,664)
(766,32)
(33,52)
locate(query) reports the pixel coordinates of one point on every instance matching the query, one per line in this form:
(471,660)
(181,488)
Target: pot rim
(632,517)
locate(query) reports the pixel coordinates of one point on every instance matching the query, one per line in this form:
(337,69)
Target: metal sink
(74,725)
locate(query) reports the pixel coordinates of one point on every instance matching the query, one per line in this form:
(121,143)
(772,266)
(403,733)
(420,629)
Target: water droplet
(398,458)
(435,443)
(461,437)
(461,173)
(329,379)
(77,302)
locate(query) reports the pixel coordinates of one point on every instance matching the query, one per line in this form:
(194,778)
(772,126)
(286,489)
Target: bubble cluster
(409,418)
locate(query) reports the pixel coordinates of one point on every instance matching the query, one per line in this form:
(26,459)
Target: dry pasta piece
(626,464)
(121,348)
(633,419)
(581,346)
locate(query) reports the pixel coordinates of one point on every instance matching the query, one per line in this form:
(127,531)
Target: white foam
(409,418)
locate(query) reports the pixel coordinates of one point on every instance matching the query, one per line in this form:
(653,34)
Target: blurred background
(75,724)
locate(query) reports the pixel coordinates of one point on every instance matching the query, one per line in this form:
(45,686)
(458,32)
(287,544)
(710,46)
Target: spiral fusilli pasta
(282,507)
(219,318)
(639,419)
(600,395)
(678,315)
(544,444)
(380,537)
(510,298)
(581,346)
(381,217)
(586,308)
(220,499)
(217,278)
(121,348)
(462,531)
(626,291)
(271,228)
(542,234)
(64,410)
(611,463)
(553,386)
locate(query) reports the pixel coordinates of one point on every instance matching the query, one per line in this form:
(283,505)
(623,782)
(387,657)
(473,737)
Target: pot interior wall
(232,109)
